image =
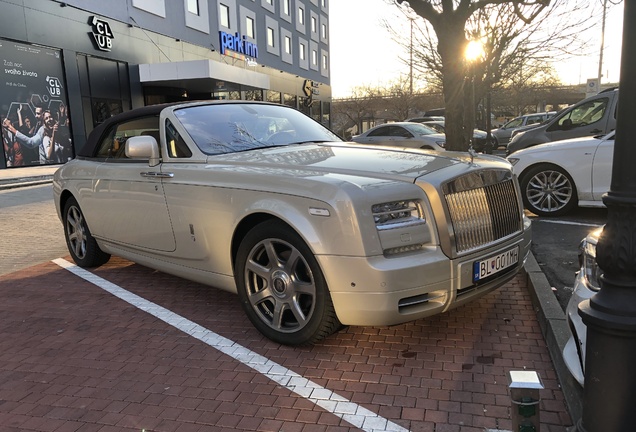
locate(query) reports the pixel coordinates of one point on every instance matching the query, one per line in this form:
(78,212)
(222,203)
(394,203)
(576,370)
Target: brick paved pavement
(75,358)
(32,231)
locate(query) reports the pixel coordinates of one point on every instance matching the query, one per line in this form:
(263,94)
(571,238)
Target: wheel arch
(529,168)
(64,197)
(249,222)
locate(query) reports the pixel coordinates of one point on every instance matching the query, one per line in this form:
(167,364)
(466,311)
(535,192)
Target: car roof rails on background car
(608,90)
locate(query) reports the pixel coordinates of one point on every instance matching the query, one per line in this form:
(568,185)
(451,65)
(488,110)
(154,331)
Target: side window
(533,120)
(177,148)
(513,123)
(383,131)
(400,132)
(114,141)
(585,114)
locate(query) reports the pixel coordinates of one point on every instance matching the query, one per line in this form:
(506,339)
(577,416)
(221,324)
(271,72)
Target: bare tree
(400,102)
(515,40)
(353,111)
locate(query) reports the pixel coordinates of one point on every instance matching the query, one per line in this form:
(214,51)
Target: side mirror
(143,147)
(567,124)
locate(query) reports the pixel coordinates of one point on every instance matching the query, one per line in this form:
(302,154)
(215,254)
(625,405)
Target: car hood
(351,159)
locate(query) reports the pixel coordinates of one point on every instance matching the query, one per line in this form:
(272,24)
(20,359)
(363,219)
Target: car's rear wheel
(81,244)
(282,288)
(548,191)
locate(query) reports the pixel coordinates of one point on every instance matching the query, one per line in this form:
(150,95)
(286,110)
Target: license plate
(495,264)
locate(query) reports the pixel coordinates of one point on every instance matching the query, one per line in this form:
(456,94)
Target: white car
(311,232)
(403,134)
(556,177)
(586,285)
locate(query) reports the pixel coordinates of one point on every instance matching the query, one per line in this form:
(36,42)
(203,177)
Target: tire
(282,288)
(548,190)
(81,244)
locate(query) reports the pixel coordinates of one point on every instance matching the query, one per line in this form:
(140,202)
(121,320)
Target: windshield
(230,128)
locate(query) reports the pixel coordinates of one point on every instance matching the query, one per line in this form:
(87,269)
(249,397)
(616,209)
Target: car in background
(595,115)
(586,284)
(403,134)
(479,136)
(425,119)
(556,177)
(504,133)
(311,232)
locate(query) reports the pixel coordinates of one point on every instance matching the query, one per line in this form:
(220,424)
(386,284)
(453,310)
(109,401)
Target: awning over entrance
(199,75)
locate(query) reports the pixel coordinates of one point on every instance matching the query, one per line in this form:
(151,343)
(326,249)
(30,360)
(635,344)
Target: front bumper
(574,350)
(379,291)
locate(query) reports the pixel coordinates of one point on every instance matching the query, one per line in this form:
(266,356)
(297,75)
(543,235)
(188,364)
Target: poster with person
(33,106)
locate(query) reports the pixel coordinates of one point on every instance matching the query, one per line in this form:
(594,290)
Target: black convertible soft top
(95,136)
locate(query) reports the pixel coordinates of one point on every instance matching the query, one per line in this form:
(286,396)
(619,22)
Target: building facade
(69,65)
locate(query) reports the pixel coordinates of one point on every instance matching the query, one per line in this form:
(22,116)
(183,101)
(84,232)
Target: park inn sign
(238,44)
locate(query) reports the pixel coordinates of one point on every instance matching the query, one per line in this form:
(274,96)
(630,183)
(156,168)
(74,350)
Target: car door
(127,197)
(377,136)
(602,167)
(586,119)
(503,133)
(400,136)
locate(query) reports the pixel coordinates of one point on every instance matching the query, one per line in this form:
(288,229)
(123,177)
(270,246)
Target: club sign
(102,33)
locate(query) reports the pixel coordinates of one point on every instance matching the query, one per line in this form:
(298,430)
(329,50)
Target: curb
(554,328)
(25,182)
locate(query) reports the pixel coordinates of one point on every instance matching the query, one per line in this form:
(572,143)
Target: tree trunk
(451,46)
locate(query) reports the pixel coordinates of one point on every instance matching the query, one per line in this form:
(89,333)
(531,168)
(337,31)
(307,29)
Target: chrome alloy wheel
(76,231)
(280,285)
(549,191)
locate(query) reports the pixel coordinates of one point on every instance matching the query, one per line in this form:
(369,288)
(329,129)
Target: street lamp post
(610,315)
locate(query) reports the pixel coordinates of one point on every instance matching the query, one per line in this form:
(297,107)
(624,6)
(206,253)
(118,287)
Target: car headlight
(387,214)
(402,227)
(513,160)
(589,266)
(441,143)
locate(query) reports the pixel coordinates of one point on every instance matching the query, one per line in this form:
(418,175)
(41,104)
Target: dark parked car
(479,136)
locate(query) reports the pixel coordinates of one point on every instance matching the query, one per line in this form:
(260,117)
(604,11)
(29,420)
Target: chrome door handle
(157,174)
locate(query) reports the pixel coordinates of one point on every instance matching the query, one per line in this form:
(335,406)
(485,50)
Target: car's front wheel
(282,288)
(81,244)
(548,190)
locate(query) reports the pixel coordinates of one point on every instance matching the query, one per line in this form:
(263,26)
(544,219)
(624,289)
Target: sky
(362,52)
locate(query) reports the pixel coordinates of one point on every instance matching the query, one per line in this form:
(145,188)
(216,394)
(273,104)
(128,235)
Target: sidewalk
(550,316)
(28,176)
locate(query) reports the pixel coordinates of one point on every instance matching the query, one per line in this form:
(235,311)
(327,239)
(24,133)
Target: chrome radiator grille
(483,208)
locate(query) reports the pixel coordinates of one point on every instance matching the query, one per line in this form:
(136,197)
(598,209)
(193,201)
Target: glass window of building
(314,57)
(301,15)
(273,96)
(193,6)
(302,53)
(314,25)
(287,44)
(271,2)
(289,100)
(249,27)
(286,7)
(324,62)
(323,30)
(224,15)
(255,95)
(270,36)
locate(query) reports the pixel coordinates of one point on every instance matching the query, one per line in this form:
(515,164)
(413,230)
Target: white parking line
(339,406)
